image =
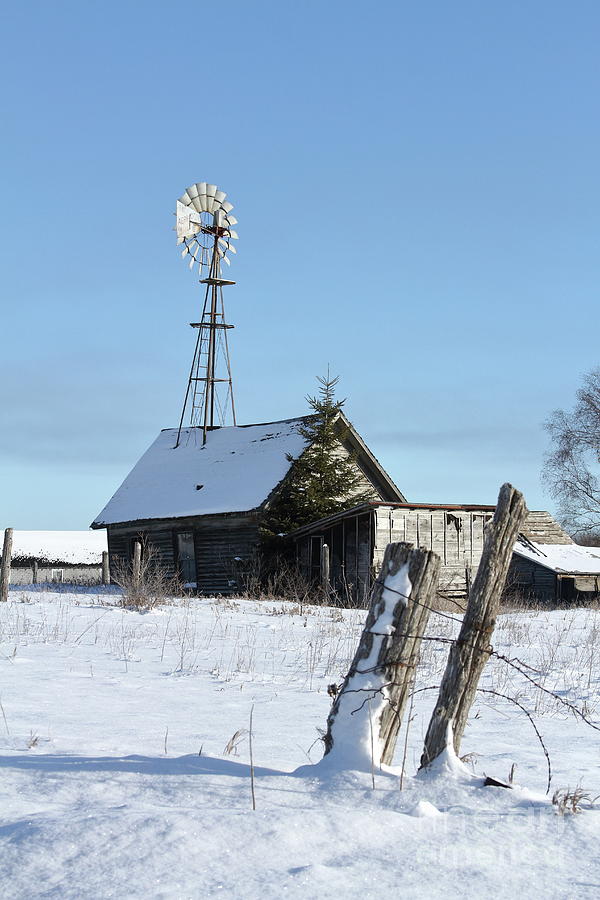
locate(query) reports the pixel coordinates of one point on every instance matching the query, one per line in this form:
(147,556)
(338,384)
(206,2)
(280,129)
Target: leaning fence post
(105,568)
(365,718)
(5,567)
(470,652)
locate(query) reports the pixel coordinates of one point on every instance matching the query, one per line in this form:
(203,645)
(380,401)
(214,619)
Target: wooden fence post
(105,568)
(325,578)
(137,564)
(35,572)
(470,652)
(365,718)
(5,568)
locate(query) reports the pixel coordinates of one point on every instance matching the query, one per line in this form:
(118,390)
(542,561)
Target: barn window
(57,576)
(454,520)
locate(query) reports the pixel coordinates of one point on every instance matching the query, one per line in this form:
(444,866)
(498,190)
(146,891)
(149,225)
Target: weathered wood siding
(587,583)
(221,549)
(455,535)
(527,580)
(364,485)
(374,479)
(218,540)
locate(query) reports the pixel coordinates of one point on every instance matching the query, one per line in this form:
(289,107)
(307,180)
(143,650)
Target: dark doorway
(186,557)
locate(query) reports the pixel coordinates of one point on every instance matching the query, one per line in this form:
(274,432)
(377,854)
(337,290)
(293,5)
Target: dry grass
(151,586)
(570,802)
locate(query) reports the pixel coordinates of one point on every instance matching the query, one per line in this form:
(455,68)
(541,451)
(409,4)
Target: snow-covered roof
(563,558)
(235,471)
(84,547)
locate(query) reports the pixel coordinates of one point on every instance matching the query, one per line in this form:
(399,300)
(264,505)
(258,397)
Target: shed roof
(235,471)
(565,559)
(72,547)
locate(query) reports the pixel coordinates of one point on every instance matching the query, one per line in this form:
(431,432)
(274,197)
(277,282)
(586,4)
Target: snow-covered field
(125,772)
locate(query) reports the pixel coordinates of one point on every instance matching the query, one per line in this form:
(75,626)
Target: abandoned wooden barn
(201,504)
(356,540)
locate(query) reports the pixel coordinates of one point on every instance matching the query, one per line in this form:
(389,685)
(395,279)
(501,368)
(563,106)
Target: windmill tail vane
(204,225)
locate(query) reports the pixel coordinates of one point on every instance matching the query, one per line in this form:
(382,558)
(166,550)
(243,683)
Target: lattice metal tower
(205,227)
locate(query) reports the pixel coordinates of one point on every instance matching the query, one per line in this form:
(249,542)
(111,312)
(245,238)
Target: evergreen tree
(321,481)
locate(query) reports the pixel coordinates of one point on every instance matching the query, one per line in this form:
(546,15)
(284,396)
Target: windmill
(205,228)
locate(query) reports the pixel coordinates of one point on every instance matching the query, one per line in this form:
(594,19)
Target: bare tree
(572,467)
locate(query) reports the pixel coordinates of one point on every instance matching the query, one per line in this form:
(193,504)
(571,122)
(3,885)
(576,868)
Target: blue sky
(418,201)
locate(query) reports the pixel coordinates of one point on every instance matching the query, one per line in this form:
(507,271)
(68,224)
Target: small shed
(54,557)
(549,566)
(201,504)
(357,539)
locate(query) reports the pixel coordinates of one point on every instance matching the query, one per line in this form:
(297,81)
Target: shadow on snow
(138,765)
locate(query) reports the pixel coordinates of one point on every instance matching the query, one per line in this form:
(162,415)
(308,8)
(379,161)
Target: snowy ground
(116,781)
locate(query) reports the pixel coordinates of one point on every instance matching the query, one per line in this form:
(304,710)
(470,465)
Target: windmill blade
(185,199)
(232,220)
(197,204)
(211,190)
(233,234)
(227,206)
(220,196)
(192,191)
(201,186)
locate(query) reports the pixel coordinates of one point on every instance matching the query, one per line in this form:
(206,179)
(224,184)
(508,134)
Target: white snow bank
(235,471)
(85,547)
(569,558)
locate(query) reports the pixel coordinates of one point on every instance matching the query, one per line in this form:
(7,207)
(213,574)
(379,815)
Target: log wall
(218,541)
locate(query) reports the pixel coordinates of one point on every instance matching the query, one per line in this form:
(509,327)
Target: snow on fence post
(470,652)
(325,579)
(365,718)
(137,564)
(5,568)
(105,568)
